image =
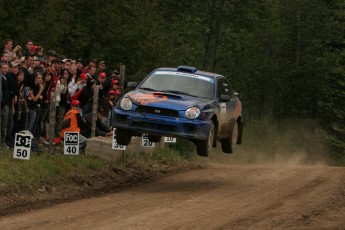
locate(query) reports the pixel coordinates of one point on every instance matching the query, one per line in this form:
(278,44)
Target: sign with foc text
(71,143)
(22,145)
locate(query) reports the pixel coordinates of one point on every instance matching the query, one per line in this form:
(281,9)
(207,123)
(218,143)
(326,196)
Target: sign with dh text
(71,143)
(145,142)
(22,145)
(115,145)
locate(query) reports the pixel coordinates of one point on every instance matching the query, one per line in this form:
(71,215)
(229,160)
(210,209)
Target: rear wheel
(154,138)
(123,137)
(229,144)
(204,147)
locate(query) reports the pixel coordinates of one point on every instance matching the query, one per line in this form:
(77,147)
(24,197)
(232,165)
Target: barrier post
(52,121)
(94,110)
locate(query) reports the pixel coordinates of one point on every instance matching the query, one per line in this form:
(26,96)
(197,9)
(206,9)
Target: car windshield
(180,83)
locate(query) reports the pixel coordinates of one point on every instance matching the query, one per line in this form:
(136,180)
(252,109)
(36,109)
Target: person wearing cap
(104,86)
(72,122)
(101,128)
(52,55)
(36,62)
(101,67)
(66,64)
(111,100)
(112,97)
(115,85)
(79,63)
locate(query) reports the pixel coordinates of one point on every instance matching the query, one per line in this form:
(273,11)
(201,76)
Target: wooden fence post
(122,78)
(94,110)
(52,120)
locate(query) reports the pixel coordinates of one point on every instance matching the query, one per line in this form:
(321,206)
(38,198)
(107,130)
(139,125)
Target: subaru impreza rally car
(181,102)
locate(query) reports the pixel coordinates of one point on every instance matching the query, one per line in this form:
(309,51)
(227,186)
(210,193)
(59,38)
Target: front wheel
(123,137)
(204,147)
(229,144)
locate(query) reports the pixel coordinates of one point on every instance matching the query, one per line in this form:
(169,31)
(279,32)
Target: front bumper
(152,124)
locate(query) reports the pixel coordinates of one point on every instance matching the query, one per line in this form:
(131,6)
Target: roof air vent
(187,69)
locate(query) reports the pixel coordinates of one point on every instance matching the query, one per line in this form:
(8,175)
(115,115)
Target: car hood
(165,100)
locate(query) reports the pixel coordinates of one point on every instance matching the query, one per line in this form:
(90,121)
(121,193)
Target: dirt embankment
(14,199)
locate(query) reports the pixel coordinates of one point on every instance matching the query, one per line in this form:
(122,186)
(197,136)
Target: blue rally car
(181,102)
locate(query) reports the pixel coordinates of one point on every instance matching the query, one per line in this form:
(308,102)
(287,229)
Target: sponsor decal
(144,99)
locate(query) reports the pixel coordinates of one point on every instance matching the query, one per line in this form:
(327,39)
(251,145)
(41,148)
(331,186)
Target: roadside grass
(54,169)
(46,169)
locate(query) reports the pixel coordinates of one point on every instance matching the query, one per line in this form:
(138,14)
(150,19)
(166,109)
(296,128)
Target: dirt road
(217,197)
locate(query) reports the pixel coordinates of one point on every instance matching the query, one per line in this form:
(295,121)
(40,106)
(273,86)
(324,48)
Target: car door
(227,103)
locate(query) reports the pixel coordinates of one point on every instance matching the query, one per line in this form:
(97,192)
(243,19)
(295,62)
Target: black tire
(154,138)
(123,137)
(204,147)
(229,144)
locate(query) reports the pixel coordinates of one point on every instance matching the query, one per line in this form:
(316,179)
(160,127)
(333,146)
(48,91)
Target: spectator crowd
(29,76)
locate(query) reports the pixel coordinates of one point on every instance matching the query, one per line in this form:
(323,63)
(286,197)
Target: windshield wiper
(148,89)
(177,92)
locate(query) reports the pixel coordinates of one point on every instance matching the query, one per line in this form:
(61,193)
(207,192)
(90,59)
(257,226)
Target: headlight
(192,112)
(126,104)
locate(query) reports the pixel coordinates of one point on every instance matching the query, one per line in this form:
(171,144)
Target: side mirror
(132,85)
(224,98)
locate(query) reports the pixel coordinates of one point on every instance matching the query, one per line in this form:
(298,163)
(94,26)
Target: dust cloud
(294,143)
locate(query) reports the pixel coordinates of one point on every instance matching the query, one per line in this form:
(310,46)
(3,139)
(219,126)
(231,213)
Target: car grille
(161,127)
(157,111)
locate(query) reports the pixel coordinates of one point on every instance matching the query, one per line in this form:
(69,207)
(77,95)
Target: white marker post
(22,145)
(115,145)
(169,140)
(145,142)
(71,143)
